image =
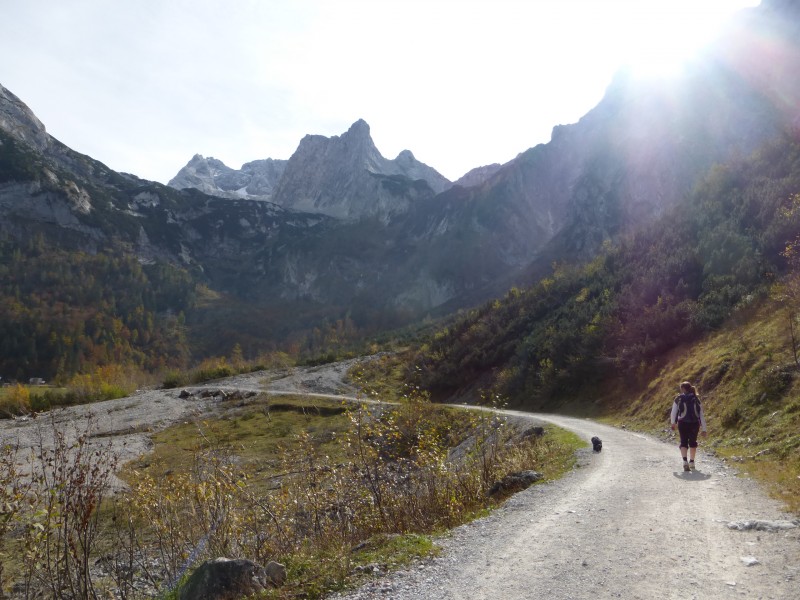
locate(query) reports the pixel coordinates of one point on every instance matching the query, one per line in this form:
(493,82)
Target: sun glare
(662,37)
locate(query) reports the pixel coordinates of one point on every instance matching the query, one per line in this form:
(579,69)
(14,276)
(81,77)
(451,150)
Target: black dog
(597,444)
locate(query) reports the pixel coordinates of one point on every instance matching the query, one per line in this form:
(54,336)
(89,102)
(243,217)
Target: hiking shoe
(685,466)
(691,465)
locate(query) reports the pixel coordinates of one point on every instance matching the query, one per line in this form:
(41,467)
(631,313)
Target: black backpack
(688,408)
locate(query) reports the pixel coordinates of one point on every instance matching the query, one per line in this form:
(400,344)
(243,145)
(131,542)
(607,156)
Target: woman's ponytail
(688,388)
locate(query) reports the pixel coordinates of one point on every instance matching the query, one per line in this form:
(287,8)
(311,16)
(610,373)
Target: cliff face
(77,203)
(17,120)
(631,158)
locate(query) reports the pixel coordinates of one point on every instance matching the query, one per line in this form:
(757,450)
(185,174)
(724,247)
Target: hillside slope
(657,288)
(703,295)
(384,249)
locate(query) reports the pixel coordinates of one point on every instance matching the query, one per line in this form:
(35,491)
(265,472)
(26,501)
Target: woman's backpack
(688,408)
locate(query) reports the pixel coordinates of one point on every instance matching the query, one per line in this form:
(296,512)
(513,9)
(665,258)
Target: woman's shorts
(688,433)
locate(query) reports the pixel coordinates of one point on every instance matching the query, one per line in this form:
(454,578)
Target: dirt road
(627,524)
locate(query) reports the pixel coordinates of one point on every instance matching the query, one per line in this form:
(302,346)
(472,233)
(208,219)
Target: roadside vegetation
(334,492)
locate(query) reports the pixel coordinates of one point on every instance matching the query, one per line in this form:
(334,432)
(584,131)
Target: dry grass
(323,488)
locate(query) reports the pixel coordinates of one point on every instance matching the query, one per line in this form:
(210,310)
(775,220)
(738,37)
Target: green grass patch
(316,573)
(394,551)
(560,456)
(257,434)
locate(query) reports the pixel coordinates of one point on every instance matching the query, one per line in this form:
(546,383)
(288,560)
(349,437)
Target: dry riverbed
(125,425)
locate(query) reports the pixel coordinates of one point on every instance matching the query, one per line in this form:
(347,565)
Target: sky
(143,85)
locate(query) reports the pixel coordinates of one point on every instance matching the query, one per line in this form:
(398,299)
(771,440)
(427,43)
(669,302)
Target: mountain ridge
(325,175)
(349,233)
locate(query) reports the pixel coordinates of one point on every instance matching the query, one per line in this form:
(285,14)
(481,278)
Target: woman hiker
(687,413)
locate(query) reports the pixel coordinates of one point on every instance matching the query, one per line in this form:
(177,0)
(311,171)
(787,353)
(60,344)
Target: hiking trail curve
(627,523)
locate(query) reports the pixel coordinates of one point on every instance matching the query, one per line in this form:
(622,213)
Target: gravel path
(627,524)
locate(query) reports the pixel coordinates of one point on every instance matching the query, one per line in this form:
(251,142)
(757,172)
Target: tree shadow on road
(691,475)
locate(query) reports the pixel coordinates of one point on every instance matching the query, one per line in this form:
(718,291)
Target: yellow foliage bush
(109,381)
(16,401)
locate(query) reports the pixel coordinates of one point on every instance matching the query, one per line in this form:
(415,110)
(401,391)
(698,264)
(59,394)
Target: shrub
(104,383)
(61,523)
(13,494)
(212,368)
(173,379)
(17,401)
(776,381)
(732,417)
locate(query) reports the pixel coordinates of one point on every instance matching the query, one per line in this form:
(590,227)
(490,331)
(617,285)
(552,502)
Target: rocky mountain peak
(357,146)
(405,157)
(255,180)
(360,128)
(355,143)
(18,120)
(347,177)
(209,164)
(343,176)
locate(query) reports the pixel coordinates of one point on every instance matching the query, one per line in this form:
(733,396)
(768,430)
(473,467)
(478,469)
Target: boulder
(761,525)
(535,431)
(514,482)
(230,579)
(276,573)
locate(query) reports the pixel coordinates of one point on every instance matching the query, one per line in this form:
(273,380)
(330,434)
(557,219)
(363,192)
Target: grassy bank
(334,492)
(750,388)
(350,490)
